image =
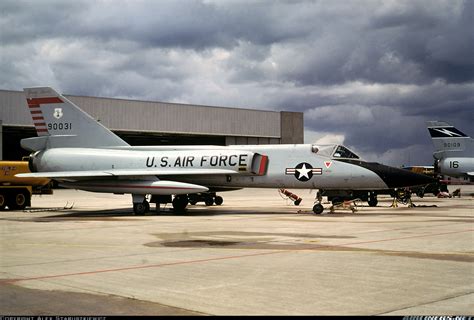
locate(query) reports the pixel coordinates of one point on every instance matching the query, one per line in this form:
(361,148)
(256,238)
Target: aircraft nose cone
(395,177)
(399,178)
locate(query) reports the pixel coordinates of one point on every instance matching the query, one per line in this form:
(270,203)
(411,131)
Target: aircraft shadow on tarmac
(127,212)
(201,210)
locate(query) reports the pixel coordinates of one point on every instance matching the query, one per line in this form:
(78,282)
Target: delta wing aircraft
(80,153)
(454,150)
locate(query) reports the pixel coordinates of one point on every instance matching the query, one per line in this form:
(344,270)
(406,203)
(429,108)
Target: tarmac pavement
(257,254)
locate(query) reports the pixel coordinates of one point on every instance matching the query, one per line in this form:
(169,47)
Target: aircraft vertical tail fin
(446,138)
(61,123)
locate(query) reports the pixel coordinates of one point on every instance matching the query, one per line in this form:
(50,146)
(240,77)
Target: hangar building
(157,123)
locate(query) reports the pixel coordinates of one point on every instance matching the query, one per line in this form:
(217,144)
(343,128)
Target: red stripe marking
(40,124)
(140,267)
(36,112)
(45,100)
(38,118)
(263,165)
(224,258)
(32,106)
(135,187)
(41,130)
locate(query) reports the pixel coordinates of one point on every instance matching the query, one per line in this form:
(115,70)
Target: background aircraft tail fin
(446,137)
(58,119)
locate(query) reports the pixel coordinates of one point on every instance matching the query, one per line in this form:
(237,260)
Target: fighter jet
(454,150)
(81,153)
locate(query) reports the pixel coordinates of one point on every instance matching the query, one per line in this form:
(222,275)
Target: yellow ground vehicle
(15,193)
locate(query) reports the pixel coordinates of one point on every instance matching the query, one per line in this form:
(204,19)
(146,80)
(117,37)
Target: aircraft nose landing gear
(318,207)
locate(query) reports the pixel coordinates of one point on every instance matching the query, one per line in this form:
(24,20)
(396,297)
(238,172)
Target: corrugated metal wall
(145,123)
(118,114)
(13,108)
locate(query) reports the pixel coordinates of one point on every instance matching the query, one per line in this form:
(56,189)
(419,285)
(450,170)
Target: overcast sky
(367,74)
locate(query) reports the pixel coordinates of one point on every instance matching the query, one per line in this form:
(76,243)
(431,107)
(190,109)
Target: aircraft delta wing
(454,150)
(81,153)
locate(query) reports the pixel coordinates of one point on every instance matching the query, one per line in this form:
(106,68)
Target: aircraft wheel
(373,202)
(218,200)
(209,201)
(3,201)
(180,203)
(318,208)
(141,208)
(193,199)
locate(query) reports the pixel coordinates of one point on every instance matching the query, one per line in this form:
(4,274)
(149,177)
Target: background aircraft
(81,153)
(454,150)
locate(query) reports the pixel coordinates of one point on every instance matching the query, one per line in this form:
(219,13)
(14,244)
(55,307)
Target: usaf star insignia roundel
(303,171)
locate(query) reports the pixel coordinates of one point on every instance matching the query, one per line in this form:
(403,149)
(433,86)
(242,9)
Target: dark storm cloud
(26,21)
(409,42)
(185,24)
(438,39)
(368,72)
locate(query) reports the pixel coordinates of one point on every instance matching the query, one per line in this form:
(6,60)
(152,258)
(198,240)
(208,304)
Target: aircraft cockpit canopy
(333,151)
(343,152)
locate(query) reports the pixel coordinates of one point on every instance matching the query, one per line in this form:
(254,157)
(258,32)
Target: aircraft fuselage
(456,166)
(267,166)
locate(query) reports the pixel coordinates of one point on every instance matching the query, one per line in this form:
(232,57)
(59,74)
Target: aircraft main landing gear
(141,208)
(372,201)
(140,204)
(180,203)
(209,198)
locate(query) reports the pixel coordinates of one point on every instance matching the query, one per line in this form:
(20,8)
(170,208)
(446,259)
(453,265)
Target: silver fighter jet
(80,153)
(454,150)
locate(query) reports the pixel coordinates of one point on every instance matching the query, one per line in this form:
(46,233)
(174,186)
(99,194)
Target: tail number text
(60,126)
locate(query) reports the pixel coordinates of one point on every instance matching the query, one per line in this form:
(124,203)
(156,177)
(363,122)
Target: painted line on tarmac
(141,267)
(10,281)
(408,237)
